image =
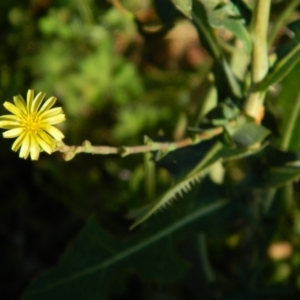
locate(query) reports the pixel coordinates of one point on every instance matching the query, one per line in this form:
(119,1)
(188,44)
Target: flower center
(31,124)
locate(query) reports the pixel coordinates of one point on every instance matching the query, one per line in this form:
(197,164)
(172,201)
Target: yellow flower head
(32,124)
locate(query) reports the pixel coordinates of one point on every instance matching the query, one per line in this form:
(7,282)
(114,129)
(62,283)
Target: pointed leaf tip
(184,6)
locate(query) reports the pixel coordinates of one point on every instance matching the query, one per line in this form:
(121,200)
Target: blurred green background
(117,80)
(116,85)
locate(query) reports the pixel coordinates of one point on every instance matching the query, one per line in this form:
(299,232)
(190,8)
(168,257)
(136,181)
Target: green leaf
(288,56)
(278,168)
(228,16)
(226,82)
(248,134)
(223,113)
(184,185)
(240,152)
(180,162)
(279,176)
(201,22)
(96,258)
(185,6)
(289,109)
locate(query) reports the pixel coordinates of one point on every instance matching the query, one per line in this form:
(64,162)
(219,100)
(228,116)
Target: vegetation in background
(200,101)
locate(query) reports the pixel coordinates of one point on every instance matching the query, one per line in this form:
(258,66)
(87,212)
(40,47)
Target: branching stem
(71,151)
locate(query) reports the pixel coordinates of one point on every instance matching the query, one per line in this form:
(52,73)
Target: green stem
(259,66)
(259,36)
(87,147)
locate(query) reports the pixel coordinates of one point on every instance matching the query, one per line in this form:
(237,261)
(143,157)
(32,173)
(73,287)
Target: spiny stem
(259,66)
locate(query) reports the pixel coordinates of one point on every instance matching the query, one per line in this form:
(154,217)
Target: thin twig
(87,147)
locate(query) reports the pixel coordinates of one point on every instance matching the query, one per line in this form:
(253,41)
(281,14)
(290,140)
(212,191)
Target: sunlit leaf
(185,6)
(249,134)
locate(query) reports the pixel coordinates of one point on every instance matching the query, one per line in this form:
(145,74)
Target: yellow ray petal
(47,138)
(9,118)
(44,145)
(13,133)
(20,103)
(53,120)
(13,109)
(57,134)
(30,96)
(37,101)
(34,148)
(9,124)
(25,148)
(47,105)
(18,142)
(51,112)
